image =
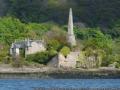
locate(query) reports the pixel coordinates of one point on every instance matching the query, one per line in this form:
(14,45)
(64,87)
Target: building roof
(24,43)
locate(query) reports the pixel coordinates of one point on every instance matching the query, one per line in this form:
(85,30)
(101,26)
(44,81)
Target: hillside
(103,13)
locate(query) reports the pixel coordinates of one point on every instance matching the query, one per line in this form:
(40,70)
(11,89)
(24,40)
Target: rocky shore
(54,73)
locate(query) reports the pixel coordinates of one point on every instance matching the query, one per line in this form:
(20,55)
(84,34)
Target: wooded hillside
(92,12)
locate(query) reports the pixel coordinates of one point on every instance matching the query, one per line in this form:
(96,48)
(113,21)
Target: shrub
(99,45)
(3,52)
(18,62)
(52,52)
(53,44)
(65,51)
(58,34)
(41,57)
(110,59)
(37,30)
(99,41)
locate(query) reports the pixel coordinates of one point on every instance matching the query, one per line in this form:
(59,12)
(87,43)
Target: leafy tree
(11,29)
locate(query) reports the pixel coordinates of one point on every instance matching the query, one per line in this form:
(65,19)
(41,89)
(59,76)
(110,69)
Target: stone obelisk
(71,36)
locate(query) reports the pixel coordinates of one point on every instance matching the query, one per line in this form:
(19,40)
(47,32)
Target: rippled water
(22,84)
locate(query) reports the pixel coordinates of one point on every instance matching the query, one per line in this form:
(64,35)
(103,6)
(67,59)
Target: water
(26,84)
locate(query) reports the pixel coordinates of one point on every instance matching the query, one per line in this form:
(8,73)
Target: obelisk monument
(71,36)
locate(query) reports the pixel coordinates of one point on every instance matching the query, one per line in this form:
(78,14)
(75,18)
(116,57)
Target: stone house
(29,47)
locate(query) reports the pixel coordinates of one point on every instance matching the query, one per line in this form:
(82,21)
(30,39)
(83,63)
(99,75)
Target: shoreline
(53,73)
(51,69)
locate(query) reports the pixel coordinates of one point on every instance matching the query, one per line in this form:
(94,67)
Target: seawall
(61,74)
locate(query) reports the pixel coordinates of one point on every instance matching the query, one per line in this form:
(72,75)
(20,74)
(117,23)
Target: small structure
(29,46)
(65,62)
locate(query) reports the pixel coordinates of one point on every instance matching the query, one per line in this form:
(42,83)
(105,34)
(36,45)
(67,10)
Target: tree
(11,29)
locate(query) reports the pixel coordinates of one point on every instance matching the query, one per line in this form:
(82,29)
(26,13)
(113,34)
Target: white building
(29,46)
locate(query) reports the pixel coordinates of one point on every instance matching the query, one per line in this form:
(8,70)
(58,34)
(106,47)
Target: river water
(32,84)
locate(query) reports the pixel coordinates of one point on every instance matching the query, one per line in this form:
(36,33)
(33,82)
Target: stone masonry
(61,61)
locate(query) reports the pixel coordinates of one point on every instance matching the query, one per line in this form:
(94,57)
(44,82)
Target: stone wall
(35,47)
(88,61)
(54,62)
(66,62)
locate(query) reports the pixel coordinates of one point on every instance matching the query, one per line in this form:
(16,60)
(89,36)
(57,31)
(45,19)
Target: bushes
(97,44)
(96,39)
(18,62)
(53,44)
(41,57)
(56,33)
(52,52)
(3,52)
(37,30)
(86,33)
(65,51)
(98,47)
(115,55)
